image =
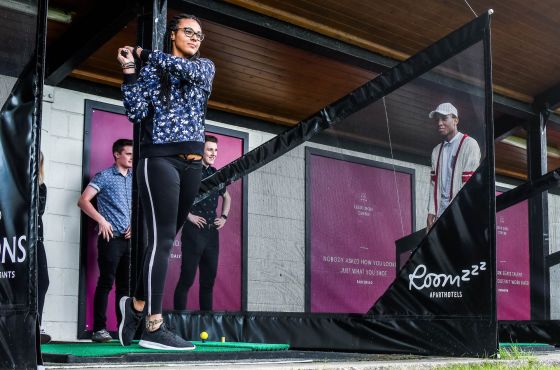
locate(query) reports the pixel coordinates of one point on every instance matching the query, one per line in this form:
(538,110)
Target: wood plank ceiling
(255,77)
(524,33)
(279,83)
(524,43)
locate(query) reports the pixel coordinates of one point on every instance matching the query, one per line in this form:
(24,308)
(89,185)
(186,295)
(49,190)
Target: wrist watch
(224,217)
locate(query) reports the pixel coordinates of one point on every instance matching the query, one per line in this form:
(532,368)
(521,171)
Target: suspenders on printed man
(465,176)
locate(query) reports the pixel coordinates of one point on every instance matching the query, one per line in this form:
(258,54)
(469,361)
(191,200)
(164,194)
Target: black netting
(337,206)
(20,98)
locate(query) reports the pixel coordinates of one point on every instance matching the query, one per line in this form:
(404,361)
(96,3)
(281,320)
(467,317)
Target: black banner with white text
(23,34)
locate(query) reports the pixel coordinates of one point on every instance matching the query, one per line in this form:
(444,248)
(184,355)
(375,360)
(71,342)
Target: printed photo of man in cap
(454,161)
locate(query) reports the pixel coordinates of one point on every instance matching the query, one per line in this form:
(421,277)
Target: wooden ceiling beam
(89,75)
(230,108)
(511,173)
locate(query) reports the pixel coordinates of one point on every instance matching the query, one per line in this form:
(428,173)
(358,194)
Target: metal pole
(152,19)
(538,219)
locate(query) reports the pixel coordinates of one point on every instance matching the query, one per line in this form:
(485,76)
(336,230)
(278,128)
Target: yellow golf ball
(203,335)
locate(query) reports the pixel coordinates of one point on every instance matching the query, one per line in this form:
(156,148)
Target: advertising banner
(355,220)
(104,129)
(228,284)
(512,263)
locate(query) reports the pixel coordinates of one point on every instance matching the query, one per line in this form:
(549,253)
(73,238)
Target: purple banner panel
(512,263)
(356,216)
(227,287)
(105,129)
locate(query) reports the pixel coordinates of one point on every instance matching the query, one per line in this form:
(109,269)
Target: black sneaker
(130,321)
(101,336)
(163,338)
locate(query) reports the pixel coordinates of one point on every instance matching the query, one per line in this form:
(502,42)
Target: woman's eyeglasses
(189,32)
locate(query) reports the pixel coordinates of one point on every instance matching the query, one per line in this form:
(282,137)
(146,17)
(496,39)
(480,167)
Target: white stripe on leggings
(155,240)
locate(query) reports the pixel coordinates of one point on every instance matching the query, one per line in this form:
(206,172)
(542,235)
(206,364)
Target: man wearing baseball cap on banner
(454,161)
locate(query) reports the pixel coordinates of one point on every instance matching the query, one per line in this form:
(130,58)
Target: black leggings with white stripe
(167,188)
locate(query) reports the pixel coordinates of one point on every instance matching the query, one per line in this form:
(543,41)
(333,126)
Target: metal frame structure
(88,37)
(534,118)
(478,321)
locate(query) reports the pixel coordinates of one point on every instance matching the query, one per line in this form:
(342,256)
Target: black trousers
(113,260)
(167,188)
(42,278)
(199,248)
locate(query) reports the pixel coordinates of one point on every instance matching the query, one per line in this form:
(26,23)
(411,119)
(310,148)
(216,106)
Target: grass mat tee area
(114,348)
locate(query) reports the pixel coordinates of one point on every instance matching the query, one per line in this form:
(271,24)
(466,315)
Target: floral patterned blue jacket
(177,127)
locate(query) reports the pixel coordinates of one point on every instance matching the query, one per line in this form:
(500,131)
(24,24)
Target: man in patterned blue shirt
(113,187)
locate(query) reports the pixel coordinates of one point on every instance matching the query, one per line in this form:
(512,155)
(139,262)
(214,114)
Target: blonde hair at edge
(41,172)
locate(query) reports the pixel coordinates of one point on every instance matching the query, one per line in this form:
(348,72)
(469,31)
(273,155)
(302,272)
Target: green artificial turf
(524,345)
(114,348)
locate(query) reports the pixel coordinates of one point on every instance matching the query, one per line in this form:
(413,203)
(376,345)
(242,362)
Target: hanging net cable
(470,7)
(393,166)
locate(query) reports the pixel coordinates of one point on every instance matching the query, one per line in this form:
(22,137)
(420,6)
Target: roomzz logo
(421,278)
